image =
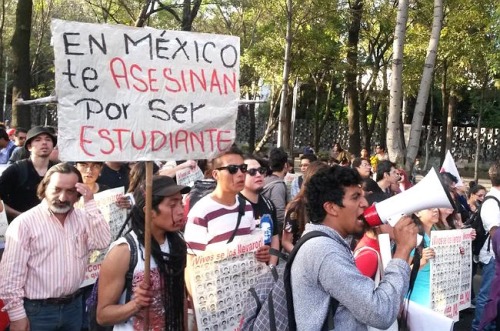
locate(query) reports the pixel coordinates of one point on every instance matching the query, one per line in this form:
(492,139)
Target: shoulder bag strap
(130,272)
(241,212)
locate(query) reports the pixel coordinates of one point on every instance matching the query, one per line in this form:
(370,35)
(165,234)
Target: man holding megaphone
(324,266)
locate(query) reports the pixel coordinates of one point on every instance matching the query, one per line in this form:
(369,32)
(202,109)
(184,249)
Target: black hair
(448,178)
(278,158)
(170,265)
(476,188)
(233,150)
(4,135)
(310,157)
(356,163)
(19,130)
(384,167)
(328,185)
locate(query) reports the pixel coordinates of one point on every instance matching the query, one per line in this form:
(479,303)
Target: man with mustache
(19,181)
(46,254)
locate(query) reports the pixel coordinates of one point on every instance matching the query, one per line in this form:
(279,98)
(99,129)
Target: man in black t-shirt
(254,181)
(114,174)
(19,182)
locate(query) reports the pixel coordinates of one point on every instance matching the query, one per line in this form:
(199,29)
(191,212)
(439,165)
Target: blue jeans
(484,293)
(52,317)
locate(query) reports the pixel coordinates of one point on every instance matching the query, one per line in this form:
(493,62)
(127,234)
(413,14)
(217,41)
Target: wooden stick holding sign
(147,234)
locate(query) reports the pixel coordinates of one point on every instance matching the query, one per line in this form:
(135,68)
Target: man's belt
(58,301)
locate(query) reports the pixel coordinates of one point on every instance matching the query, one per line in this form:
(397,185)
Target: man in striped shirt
(213,219)
(46,254)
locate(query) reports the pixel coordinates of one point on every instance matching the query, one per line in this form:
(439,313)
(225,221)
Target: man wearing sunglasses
(214,218)
(254,182)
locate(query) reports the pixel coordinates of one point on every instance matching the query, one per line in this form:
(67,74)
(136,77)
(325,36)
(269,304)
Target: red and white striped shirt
(210,222)
(44,259)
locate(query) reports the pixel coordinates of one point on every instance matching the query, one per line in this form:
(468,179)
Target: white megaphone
(428,193)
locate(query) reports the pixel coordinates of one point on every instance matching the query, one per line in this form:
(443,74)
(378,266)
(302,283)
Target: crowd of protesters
(48,241)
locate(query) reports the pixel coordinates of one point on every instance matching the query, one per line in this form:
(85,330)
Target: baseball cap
(165,186)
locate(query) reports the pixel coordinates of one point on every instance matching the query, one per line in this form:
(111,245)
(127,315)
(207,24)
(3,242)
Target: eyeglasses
(252,172)
(233,168)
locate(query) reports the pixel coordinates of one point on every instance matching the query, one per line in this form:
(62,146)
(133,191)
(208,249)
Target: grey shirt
(325,267)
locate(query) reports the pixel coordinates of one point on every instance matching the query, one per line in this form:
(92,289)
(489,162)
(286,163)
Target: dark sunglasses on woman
(253,172)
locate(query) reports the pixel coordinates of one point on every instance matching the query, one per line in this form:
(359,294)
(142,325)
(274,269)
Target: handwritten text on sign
(129,93)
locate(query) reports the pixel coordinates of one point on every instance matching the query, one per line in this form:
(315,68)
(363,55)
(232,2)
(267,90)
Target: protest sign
(466,270)
(115,216)
(3,224)
(220,278)
(143,94)
(188,176)
(450,166)
(445,272)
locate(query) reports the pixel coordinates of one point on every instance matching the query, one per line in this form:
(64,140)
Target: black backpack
(199,190)
(475,222)
(91,303)
(269,304)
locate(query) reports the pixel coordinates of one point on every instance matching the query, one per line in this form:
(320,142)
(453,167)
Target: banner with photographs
(446,272)
(466,270)
(220,278)
(115,216)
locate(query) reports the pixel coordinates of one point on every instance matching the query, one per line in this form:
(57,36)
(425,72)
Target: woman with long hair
(421,292)
(165,295)
(476,197)
(295,213)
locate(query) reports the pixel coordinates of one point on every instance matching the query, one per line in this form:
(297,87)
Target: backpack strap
(129,276)
(279,254)
(292,324)
(241,212)
(479,211)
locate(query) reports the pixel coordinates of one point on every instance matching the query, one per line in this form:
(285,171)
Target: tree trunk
(284,125)
(429,132)
(326,115)
(452,106)
(21,115)
(478,137)
(316,118)
(272,121)
(189,14)
(356,11)
(2,68)
(425,84)
(445,96)
(394,146)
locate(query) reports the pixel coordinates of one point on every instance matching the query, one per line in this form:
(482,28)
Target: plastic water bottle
(266,224)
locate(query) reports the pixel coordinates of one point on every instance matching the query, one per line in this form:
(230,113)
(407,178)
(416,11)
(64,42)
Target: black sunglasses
(253,172)
(233,168)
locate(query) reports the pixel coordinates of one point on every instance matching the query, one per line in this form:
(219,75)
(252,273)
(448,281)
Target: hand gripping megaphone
(428,193)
